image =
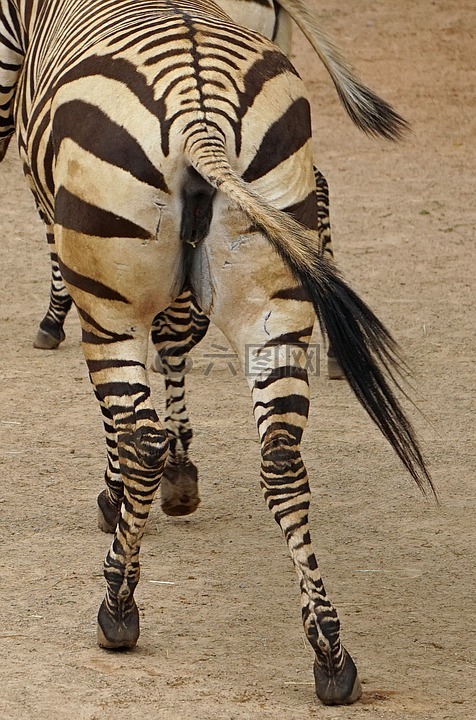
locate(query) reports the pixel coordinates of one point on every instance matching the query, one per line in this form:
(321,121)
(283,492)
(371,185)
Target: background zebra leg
(175,331)
(120,381)
(334,370)
(178,329)
(50,332)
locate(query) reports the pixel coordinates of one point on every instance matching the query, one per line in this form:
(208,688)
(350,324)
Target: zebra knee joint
(150,446)
(279,449)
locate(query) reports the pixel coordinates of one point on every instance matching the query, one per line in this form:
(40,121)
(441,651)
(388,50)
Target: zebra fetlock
(118,621)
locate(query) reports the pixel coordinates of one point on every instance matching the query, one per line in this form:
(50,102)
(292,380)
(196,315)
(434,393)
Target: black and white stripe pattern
(168,147)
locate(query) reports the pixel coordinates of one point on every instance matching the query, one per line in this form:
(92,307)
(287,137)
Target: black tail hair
(366,353)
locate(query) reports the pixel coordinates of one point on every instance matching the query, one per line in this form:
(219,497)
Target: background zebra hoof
(342,688)
(4,142)
(118,634)
(47,341)
(108,514)
(334,370)
(179,489)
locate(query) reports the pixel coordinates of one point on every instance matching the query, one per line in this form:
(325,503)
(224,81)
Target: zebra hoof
(116,634)
(341,688)
(4,142)
(334,370)
(179,489)
(108,514)
(47,341)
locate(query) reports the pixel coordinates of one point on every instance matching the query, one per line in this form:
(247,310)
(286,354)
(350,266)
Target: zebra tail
(366,109)
(367,353)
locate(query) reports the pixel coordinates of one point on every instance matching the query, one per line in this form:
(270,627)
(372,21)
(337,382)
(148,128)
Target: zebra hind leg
(268,322)
(179,486)
(287,494)
(175,331)
(142,444)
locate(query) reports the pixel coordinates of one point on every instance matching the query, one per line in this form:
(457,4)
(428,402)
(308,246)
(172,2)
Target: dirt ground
(221,632)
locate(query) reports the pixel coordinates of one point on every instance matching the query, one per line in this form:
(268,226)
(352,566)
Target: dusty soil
(221,632)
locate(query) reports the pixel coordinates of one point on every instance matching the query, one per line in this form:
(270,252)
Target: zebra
(181,170)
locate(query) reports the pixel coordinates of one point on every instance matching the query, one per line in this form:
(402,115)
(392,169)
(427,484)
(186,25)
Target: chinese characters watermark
(259,359)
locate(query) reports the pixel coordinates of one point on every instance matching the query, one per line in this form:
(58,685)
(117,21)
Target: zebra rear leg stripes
(110,499)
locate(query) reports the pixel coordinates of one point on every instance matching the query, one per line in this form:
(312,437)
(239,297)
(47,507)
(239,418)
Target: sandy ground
(221,632)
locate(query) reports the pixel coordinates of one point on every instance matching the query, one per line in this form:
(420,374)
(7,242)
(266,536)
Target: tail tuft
(366,109)
(368,355)
(371,113)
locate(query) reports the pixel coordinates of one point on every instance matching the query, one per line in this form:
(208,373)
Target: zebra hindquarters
(120,257)
(261,308)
